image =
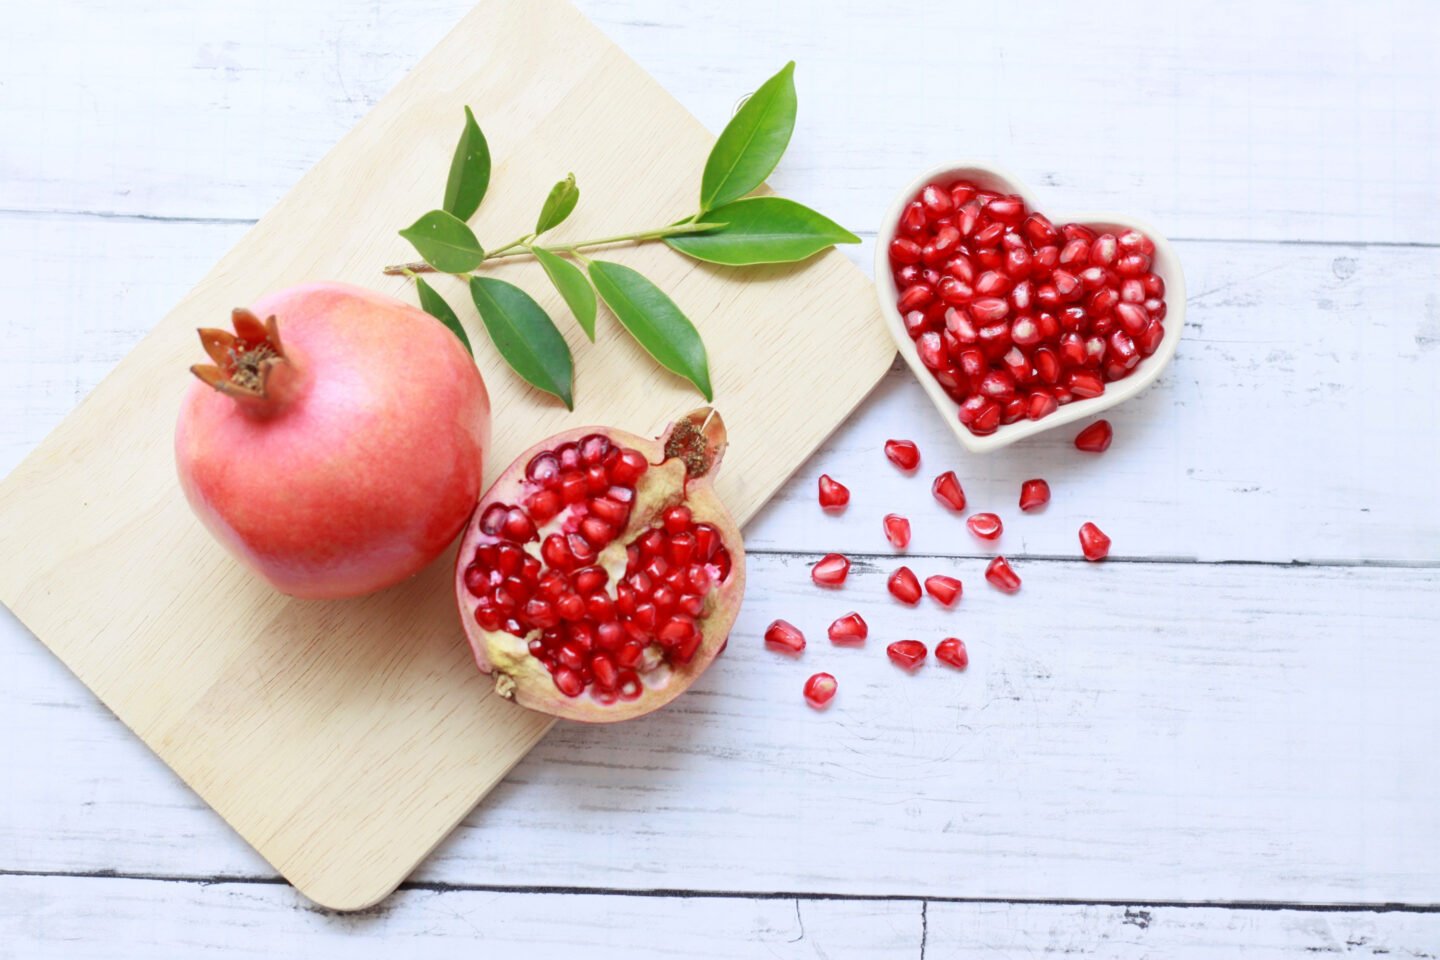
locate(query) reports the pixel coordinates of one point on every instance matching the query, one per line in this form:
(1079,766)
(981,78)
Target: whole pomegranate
(600,574)
(343,458)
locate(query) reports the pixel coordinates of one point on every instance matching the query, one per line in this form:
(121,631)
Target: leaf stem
(520,246)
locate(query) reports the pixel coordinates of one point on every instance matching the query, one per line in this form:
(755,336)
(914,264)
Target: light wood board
(344,740)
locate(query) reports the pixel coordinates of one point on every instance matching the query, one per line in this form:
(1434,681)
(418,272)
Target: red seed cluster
(591,632)
(1013,316)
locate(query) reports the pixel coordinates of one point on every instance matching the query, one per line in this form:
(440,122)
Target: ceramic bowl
(987,177)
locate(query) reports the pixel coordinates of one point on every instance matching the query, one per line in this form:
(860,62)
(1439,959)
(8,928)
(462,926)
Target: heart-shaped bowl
(1164,263)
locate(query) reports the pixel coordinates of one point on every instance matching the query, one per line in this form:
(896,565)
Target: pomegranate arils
(1001,576)
(820,690)
(897,530)
(833,494)
(1093,542)
(909,654)
(1096,437)
(850,628)
(944,589)
(948,491)
(952,651)
(904,586)
(1022,303)
(986,526)
(830,570)
(1034,494)
(785,636)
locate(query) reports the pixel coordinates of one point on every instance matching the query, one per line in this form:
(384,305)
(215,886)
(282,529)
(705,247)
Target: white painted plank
(1126,731)
(1215,120)
(117,919)
(111,919)
(1005,931)
(1298,422)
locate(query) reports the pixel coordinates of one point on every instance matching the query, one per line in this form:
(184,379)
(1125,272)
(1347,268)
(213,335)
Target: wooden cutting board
(345,740)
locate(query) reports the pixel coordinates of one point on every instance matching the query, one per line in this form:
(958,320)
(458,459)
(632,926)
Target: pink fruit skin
(366,472)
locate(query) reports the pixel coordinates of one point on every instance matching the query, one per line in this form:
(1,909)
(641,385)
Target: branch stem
(520,247)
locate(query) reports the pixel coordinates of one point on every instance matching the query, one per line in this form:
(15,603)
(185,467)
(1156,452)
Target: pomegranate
(784,636)
(601,575)
(948,491)
(1002,576)
(1034,494)
(897,530)
(850,628)
(986,526)
(1093,542)
(343,458)
(1014,317)
(830,570)
(820,690)
(945,590)
(1095,438)
(909,654)
(952,651)
(833,494)
(904,586)
(903,453)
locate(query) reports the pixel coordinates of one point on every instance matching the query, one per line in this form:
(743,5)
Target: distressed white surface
(1135,731)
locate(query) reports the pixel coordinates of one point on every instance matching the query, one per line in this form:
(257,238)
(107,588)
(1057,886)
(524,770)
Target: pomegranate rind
(521,677)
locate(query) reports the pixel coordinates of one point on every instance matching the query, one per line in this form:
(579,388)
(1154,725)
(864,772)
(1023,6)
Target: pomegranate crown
(245,359)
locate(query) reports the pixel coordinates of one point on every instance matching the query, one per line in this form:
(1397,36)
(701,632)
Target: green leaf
(469,171)
(435,305)
(525,336)
(570,281)
(446,243)
(654,321)
(763,230)
(752,142)
(562,199)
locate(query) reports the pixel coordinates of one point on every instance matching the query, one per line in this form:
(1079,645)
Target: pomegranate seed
(937,201)
(904,250)
(1086,385)
(1001,576)
(988,309)
(833,494)
(830,570)
(944,589)
(986,526)
(1093,542)
(909,654)
(897,531)
(952,651)
(569,682)
(903,454)
(1103,250)
(948,491)
(912,221)
(1096,437)
(850,628)
(904,586)
(1034,494)
(1041,404)
(785,636)
(820,690)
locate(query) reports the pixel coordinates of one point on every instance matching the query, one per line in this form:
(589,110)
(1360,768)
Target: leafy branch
(729,227)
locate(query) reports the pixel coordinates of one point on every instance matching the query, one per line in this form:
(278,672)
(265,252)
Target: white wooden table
(1223,739)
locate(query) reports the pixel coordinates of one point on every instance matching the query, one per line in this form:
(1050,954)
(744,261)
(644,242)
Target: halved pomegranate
(600,574)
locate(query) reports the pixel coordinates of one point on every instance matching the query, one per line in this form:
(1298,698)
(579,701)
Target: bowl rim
(988,176)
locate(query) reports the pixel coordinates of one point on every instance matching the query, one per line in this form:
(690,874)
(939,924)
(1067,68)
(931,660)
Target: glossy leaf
(752,142)
(445,242)
(763,230)
(525,336)
(562,199)
(570,281)
(654,321)
(435,305)
(469,171)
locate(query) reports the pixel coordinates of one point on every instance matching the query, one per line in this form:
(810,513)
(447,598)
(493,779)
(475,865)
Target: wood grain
(344,740)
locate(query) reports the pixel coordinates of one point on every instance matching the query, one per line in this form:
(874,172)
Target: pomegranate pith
(784,636)
(952,651)
(999,303)
(1093,542)
(1002,576)
(948,491)
(830,570)
(820,690)
(1095,438)
(946,590)
(850,628)
(601,574)
(903,453)
(986,526)
(1034,494)
(833,494)
(897,530)
(909,654)
(904,586)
